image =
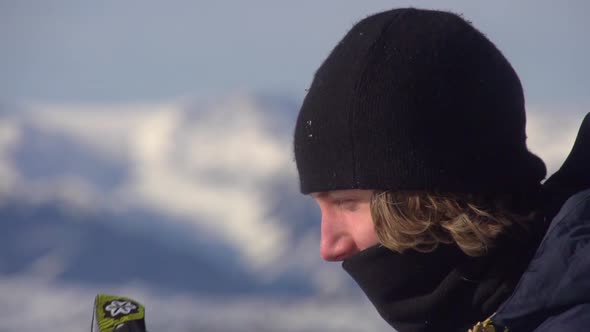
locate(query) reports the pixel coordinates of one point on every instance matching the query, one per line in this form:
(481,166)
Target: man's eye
(347,204)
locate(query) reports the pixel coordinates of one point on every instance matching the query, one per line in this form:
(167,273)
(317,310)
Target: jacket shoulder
(557,280)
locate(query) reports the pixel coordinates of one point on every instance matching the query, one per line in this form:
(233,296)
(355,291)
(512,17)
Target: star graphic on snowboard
(120,307)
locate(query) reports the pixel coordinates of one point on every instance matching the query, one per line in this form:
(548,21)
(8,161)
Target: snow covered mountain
(192,199)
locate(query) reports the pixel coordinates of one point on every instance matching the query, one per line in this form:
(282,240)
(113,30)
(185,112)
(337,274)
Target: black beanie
(415,100)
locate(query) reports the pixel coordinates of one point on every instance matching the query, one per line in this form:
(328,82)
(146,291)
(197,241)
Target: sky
(128,51)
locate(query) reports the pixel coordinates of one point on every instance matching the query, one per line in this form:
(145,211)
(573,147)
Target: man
(412,141)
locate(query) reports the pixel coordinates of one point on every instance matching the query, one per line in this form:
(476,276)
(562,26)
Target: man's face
(347,226)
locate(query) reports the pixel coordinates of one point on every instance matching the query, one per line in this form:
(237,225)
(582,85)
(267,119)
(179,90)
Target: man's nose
(337,243)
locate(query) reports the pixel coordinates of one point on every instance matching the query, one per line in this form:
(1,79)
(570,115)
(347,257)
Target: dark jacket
(554,292)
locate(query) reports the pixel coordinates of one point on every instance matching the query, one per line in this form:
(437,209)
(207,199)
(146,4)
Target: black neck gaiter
(444,290)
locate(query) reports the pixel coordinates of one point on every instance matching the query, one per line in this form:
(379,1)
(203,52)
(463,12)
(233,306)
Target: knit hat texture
(415,100)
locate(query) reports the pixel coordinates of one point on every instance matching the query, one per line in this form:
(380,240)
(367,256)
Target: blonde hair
(422,221)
